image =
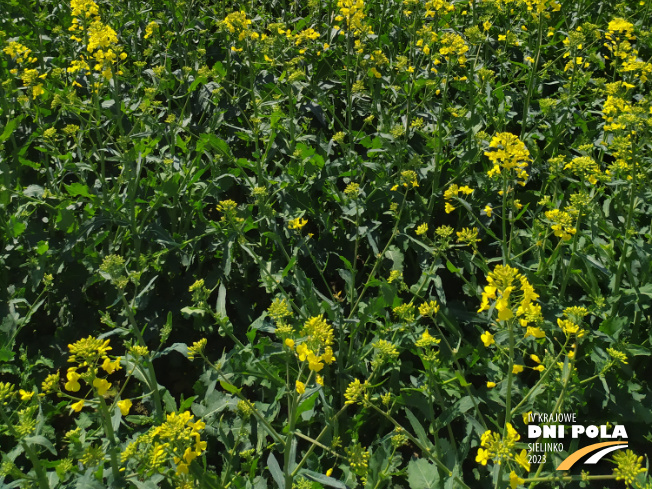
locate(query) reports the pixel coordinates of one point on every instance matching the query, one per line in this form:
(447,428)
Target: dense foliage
(331,243)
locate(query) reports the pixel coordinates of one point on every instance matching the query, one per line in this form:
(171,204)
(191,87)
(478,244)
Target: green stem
(623,256)
(558,404)
(110,435)
(510,376)
(570,260)
(541,380)
(530,87)
(504,223)
(41,475)
(151,374)
(315,442)
(423,448)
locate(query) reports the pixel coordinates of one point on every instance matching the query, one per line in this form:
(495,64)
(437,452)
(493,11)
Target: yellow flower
(302,351)
(483,456)
(102,385)
(355,392)
(429,308)
(197,348)
(490,385)
(535,331)
(508,152)
(72,384)
(149,29)
(314,363)
(25,395)
(517,369)
(297,223)
(449,208)
(487,338)
(526,417)
(522,460)
(111,366)
(535,358)
(629,466)
(77,406)
(540,368)
(488,210)
(422,229)
(301,387)
(125,406)
(515,480)
(289,342)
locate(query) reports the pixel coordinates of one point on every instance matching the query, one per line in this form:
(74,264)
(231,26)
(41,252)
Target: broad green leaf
(229,387)
(422,474)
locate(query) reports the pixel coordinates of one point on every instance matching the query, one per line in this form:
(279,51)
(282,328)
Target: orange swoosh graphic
(574,457)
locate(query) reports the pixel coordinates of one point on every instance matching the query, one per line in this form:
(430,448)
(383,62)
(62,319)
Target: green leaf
(192,311)
(461,379)
(76,189)
(18,228)
(43,441)
(308,404)
(418,429)
(220,307)
(9,129)
(422,475)
(322,479)
(451,268)
(229,387)
(276,471)
(42,247)
(186,403)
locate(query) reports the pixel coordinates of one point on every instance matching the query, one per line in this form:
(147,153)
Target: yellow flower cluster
(585,167)
(102,41)
(453,192)
(563,222)
(315,348)
(356,392)
(91,354)
(150,29)
(509,153)
(620,34)
(513,295)
(453,45)
(429,308)
(229,209)
(178,440)
(619,114)
(628,466)
(497,449)
(571,324)
(405,312)
(197,348)
(541,6)
(87,8)
(237,23)
(409,178)
(433,7)
(22,57)
(305,35)
(427,340)
(297,223)
(352,11)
